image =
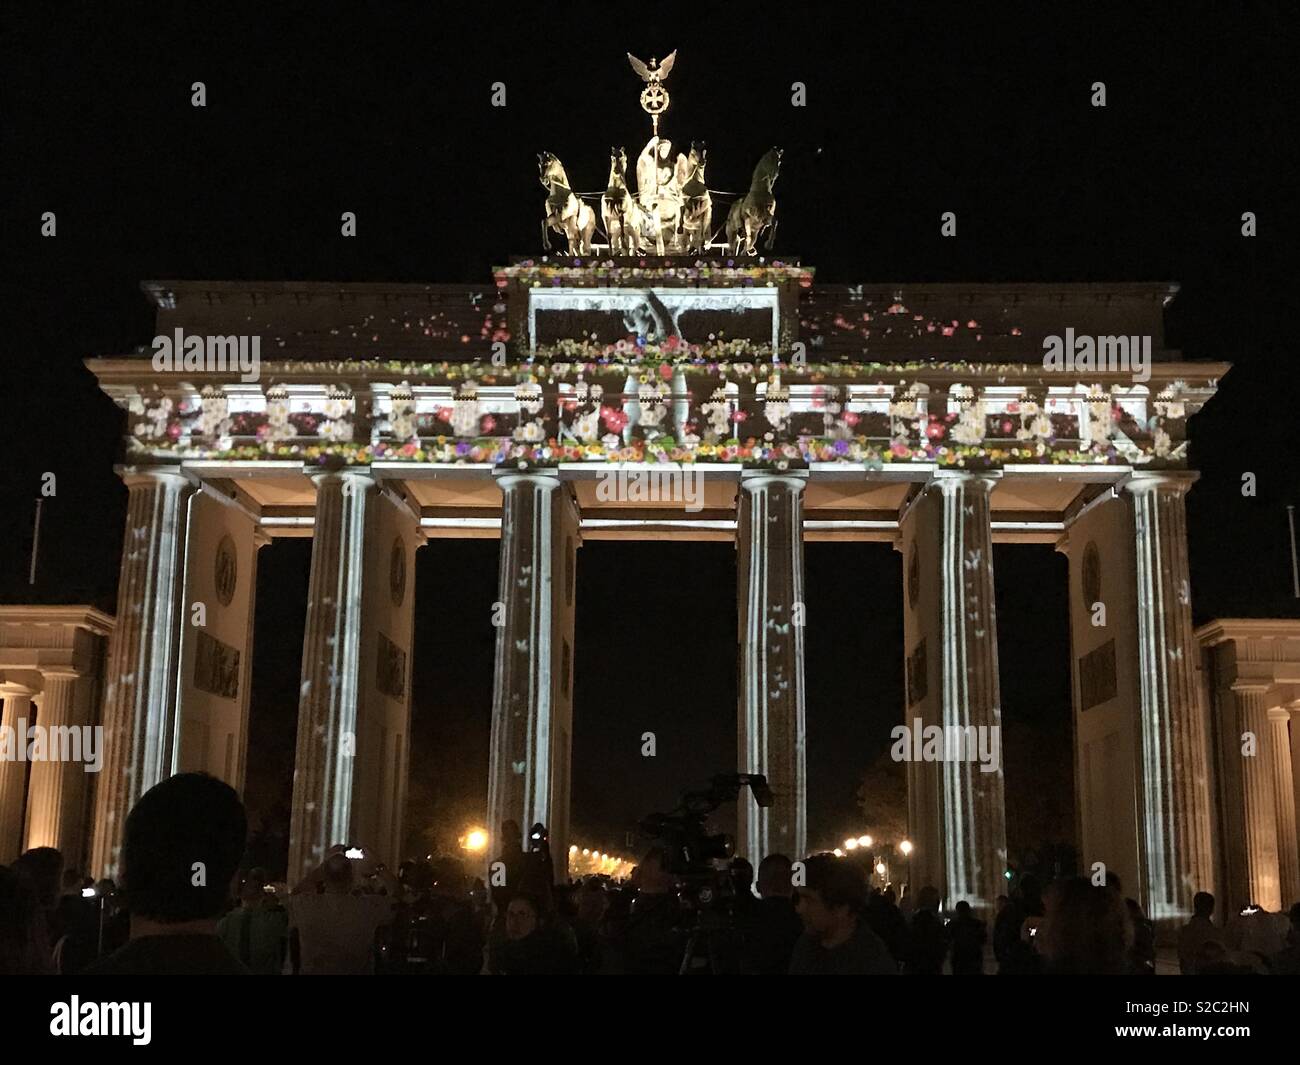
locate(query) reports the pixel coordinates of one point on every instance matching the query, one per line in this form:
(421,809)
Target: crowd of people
(187,905)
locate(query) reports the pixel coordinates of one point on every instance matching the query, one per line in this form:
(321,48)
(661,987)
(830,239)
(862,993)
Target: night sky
(909,114)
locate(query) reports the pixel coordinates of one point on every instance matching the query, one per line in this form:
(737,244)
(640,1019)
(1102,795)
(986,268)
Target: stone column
(17,716)
(330,691)
(1174,806)
(531,699)
(140,698)
(973,800)
(1288,848)
(56,789)
(772,728)
(1250,801)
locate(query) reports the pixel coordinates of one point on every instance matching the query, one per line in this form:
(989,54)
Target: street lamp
(865,841)
(850,844)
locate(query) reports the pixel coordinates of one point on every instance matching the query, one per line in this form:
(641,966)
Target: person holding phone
(256,931)
(332,925)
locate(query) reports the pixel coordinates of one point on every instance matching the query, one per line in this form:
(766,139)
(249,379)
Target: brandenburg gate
(387,418)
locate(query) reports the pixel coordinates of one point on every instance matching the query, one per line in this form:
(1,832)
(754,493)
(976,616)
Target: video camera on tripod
(690,847)
(707,892)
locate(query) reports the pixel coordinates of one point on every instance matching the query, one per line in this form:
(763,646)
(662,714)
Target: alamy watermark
(919,742)
(1084,354)
(77,1018)
(665,482)
(53,743)
(208,354)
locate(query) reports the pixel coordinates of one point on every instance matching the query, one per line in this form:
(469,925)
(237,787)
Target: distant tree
(882,798)
(435,820)
(1039,772)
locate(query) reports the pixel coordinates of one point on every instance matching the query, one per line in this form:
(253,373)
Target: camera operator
(771,927)
(653,935)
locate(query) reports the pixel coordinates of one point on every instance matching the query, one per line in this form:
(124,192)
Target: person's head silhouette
(182,846)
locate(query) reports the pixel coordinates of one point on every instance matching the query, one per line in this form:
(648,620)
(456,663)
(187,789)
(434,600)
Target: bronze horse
(619,210)
(565,213)
(756,210)
(697,211)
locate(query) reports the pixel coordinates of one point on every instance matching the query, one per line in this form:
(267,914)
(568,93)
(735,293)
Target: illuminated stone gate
(952,438)
(390,416)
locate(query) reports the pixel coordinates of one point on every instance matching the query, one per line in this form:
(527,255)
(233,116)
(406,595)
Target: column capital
(1246,687)
(13,688)
(1172,480)
(505,477)
(320,475)
(794,480)
(260,538)
(61,673)
(1279,713)
(154,475)
(951,480)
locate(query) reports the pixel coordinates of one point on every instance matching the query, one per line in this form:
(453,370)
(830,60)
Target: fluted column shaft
(772,728)
(1174,800)
(140,698)
(330,688)
(17,716)
(520,785)
(974,802)
(1288,847)
(56,788)
(1251,813)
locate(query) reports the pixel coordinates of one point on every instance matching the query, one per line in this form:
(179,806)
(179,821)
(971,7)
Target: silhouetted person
(1142,953)
(927,938)
(837,939)
(512,864)
(257,930)
(1197,932)
(1086,931)
(1013,930)
(68,907)
(1286,962)
(462,945)
(770,928)
(653,939)
(332,928)
(532,946)
(589,926)
(887,921)
(182,844)
(742,886)
(43,867)
(967,935)
(24,949)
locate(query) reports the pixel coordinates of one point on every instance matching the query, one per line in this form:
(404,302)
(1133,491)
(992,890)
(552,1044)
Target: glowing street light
(475,840)
(905,847)
(880,868)
(850,844)
(864,841)
(839,853)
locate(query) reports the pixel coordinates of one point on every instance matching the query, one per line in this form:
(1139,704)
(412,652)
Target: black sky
(912,111)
